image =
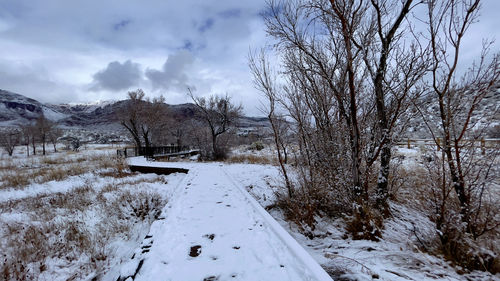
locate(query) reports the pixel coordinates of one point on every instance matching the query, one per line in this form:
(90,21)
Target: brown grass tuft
(252,159)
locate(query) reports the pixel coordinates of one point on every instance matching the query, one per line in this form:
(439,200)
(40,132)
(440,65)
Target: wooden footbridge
(158,152)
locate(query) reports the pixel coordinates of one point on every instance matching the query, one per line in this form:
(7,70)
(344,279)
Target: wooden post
(438,140)
(483,147)
(409,146)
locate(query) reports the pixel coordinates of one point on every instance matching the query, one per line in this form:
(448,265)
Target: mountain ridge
(17,109)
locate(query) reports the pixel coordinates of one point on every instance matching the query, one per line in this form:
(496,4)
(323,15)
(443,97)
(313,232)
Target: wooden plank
(157,170)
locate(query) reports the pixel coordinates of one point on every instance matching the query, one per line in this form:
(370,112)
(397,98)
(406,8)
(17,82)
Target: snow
(53,115)
(396,257)
(219,207)
(238,240)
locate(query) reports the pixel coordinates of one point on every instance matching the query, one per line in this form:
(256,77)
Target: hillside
(16,109)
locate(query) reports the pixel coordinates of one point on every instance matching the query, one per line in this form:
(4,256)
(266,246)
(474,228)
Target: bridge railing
(483,144)
(152,151)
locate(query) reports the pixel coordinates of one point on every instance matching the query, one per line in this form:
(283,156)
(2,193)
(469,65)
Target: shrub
(251,159)
(309,200)
(365,224)
(256,146)
(143,205)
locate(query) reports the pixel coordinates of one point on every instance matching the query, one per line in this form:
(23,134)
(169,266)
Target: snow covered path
(213,231)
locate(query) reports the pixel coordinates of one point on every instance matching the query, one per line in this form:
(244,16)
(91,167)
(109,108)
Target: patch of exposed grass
(62,167)
(251,159)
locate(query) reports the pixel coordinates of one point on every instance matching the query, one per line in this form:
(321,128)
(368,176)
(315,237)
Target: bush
(309,200)
(365,224)
(256,146)
(142,205)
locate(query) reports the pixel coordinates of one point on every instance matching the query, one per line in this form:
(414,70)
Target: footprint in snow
(209,236)
(195,251)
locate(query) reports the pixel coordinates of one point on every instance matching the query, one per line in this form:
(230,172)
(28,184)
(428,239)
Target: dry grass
(114,167)
(252,159)
(60,168)
(54,225)
(57,230)
(421,188)
(13,179)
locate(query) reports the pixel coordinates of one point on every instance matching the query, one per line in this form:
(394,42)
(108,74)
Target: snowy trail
(213,231)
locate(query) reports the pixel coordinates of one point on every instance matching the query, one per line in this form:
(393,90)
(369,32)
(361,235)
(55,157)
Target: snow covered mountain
(16,109)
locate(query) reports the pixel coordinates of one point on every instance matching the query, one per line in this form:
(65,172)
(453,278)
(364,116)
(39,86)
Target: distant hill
(16,109)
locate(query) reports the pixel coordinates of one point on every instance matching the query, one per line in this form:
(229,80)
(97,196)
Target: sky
(61,51)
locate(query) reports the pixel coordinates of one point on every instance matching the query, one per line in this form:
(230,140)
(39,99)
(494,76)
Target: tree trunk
(33,143)
(354,134)
(277,142)
(385,139)
(214,146)
(458,184)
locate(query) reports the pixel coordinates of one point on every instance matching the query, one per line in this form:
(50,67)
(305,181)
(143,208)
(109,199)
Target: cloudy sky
(82,51)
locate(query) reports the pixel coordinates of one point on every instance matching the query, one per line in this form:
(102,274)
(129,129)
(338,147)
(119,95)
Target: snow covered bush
(142,205)
(426,188)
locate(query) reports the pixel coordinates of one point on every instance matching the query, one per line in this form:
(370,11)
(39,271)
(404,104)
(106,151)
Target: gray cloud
(40,86)
(70,40)
(206,25)
(174,73)
(117,76)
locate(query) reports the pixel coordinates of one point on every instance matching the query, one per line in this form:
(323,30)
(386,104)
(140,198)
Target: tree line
(42,131)
(151,122)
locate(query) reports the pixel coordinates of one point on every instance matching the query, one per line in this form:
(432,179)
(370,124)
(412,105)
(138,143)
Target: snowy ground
(396,257)
(73,216)
(212,230)
(71,224)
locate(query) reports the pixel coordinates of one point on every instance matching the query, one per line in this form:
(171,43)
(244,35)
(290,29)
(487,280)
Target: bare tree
(131,115)
(349,71)
(143,118)
(177,130)
(396,65)
(220,115)
(43,127)
(9,140)
(154,120)
(26,134)
(457,98)
(54,136)
(264,81)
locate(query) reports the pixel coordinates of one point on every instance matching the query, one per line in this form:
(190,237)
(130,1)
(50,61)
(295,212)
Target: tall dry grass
(252,159)
(58,230)
(72,229)
(60,168)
